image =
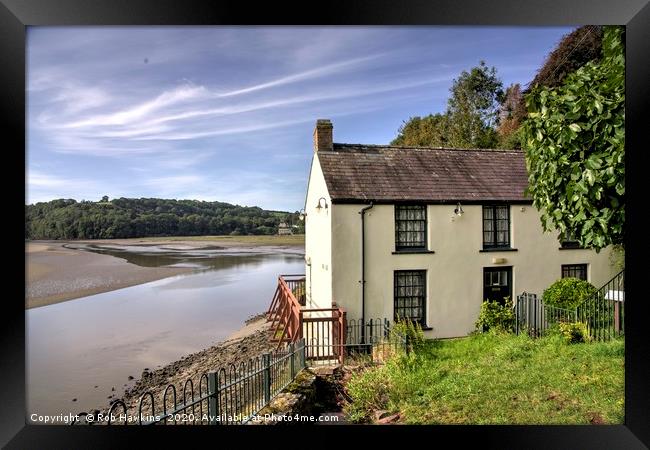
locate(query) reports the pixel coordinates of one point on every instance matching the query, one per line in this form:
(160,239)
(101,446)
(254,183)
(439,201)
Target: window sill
(424,327)
(504,249)
(400,252)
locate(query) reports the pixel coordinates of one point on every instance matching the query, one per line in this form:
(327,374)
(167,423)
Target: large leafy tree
(470,119)
(428,131)
(473,108)
(574,50)
(574,139)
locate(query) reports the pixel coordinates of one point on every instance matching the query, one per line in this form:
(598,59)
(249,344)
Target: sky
(227,113)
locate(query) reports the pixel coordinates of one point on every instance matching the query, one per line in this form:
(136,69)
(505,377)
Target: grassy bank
(492,379)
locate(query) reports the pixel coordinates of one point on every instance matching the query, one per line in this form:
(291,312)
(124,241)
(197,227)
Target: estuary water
(83,349)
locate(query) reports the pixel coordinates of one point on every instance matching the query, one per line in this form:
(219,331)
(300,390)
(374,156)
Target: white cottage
(428,234)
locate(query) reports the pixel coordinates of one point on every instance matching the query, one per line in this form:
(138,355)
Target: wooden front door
(497,283)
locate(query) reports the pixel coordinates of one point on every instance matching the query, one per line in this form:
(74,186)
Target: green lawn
(497,379)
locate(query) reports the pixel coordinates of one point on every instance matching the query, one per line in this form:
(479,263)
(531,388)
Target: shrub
(412,331)
(369,391)
(496,316)
(568,293)
(574,332)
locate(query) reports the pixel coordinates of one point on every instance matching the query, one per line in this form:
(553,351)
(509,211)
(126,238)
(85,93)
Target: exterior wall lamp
(323,205)
(459,210)
(302,214)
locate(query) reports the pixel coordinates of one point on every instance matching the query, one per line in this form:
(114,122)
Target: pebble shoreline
(191,367)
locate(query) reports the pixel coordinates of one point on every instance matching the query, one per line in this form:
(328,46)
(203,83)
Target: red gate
(322,328)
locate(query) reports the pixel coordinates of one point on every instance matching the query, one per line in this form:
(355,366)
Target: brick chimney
(323,136)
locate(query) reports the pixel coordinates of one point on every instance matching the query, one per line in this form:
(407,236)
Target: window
(410,227)
(410,295)
(575,271)
(496,226)
(569,240)
(496,278)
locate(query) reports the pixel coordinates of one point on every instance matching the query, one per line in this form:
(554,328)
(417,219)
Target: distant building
(284,229)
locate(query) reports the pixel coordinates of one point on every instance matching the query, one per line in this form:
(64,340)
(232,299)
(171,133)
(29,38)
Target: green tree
(473,108)
(428,131)
(470,118)
(574,50)
(574,139)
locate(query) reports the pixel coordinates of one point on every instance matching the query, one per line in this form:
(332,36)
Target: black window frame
(494,243)
(415,245)
(569,271)
(569,240)
(398,310)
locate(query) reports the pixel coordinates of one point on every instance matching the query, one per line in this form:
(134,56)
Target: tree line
(148,217)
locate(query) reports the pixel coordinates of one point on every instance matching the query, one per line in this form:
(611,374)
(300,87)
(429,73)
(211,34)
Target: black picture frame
(15,15)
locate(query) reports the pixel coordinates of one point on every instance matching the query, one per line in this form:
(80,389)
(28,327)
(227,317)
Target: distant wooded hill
(144,217)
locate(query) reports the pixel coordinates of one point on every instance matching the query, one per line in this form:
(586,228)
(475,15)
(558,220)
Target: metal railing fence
(232,395)
(375,340)
(603,313)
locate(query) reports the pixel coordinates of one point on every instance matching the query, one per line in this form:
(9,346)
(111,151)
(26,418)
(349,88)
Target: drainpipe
(311,299)
(363,271)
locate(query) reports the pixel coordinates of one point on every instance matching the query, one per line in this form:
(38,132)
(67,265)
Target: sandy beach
(54,273)
(295,240)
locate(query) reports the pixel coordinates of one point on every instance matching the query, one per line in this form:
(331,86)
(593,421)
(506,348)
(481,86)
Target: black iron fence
(235,394)
(603,313)
(232,395)
(374,340)
(533,317)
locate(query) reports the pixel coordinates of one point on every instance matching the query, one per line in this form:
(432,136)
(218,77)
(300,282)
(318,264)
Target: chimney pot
(323,136)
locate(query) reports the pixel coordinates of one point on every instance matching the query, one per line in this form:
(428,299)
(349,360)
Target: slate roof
(355,172)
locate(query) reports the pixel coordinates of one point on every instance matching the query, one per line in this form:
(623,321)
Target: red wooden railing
(324,333)
(284,313)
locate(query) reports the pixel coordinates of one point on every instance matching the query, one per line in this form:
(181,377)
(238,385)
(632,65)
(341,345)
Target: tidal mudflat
(84,352)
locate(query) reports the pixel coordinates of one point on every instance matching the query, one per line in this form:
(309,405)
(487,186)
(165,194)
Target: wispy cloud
(308,74)
(168,98)
(39,179)
(178,180)
(165,116)
(78,98)
(226,113)
(42,186)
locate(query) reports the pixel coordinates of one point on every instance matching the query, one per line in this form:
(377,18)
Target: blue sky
(227,113)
